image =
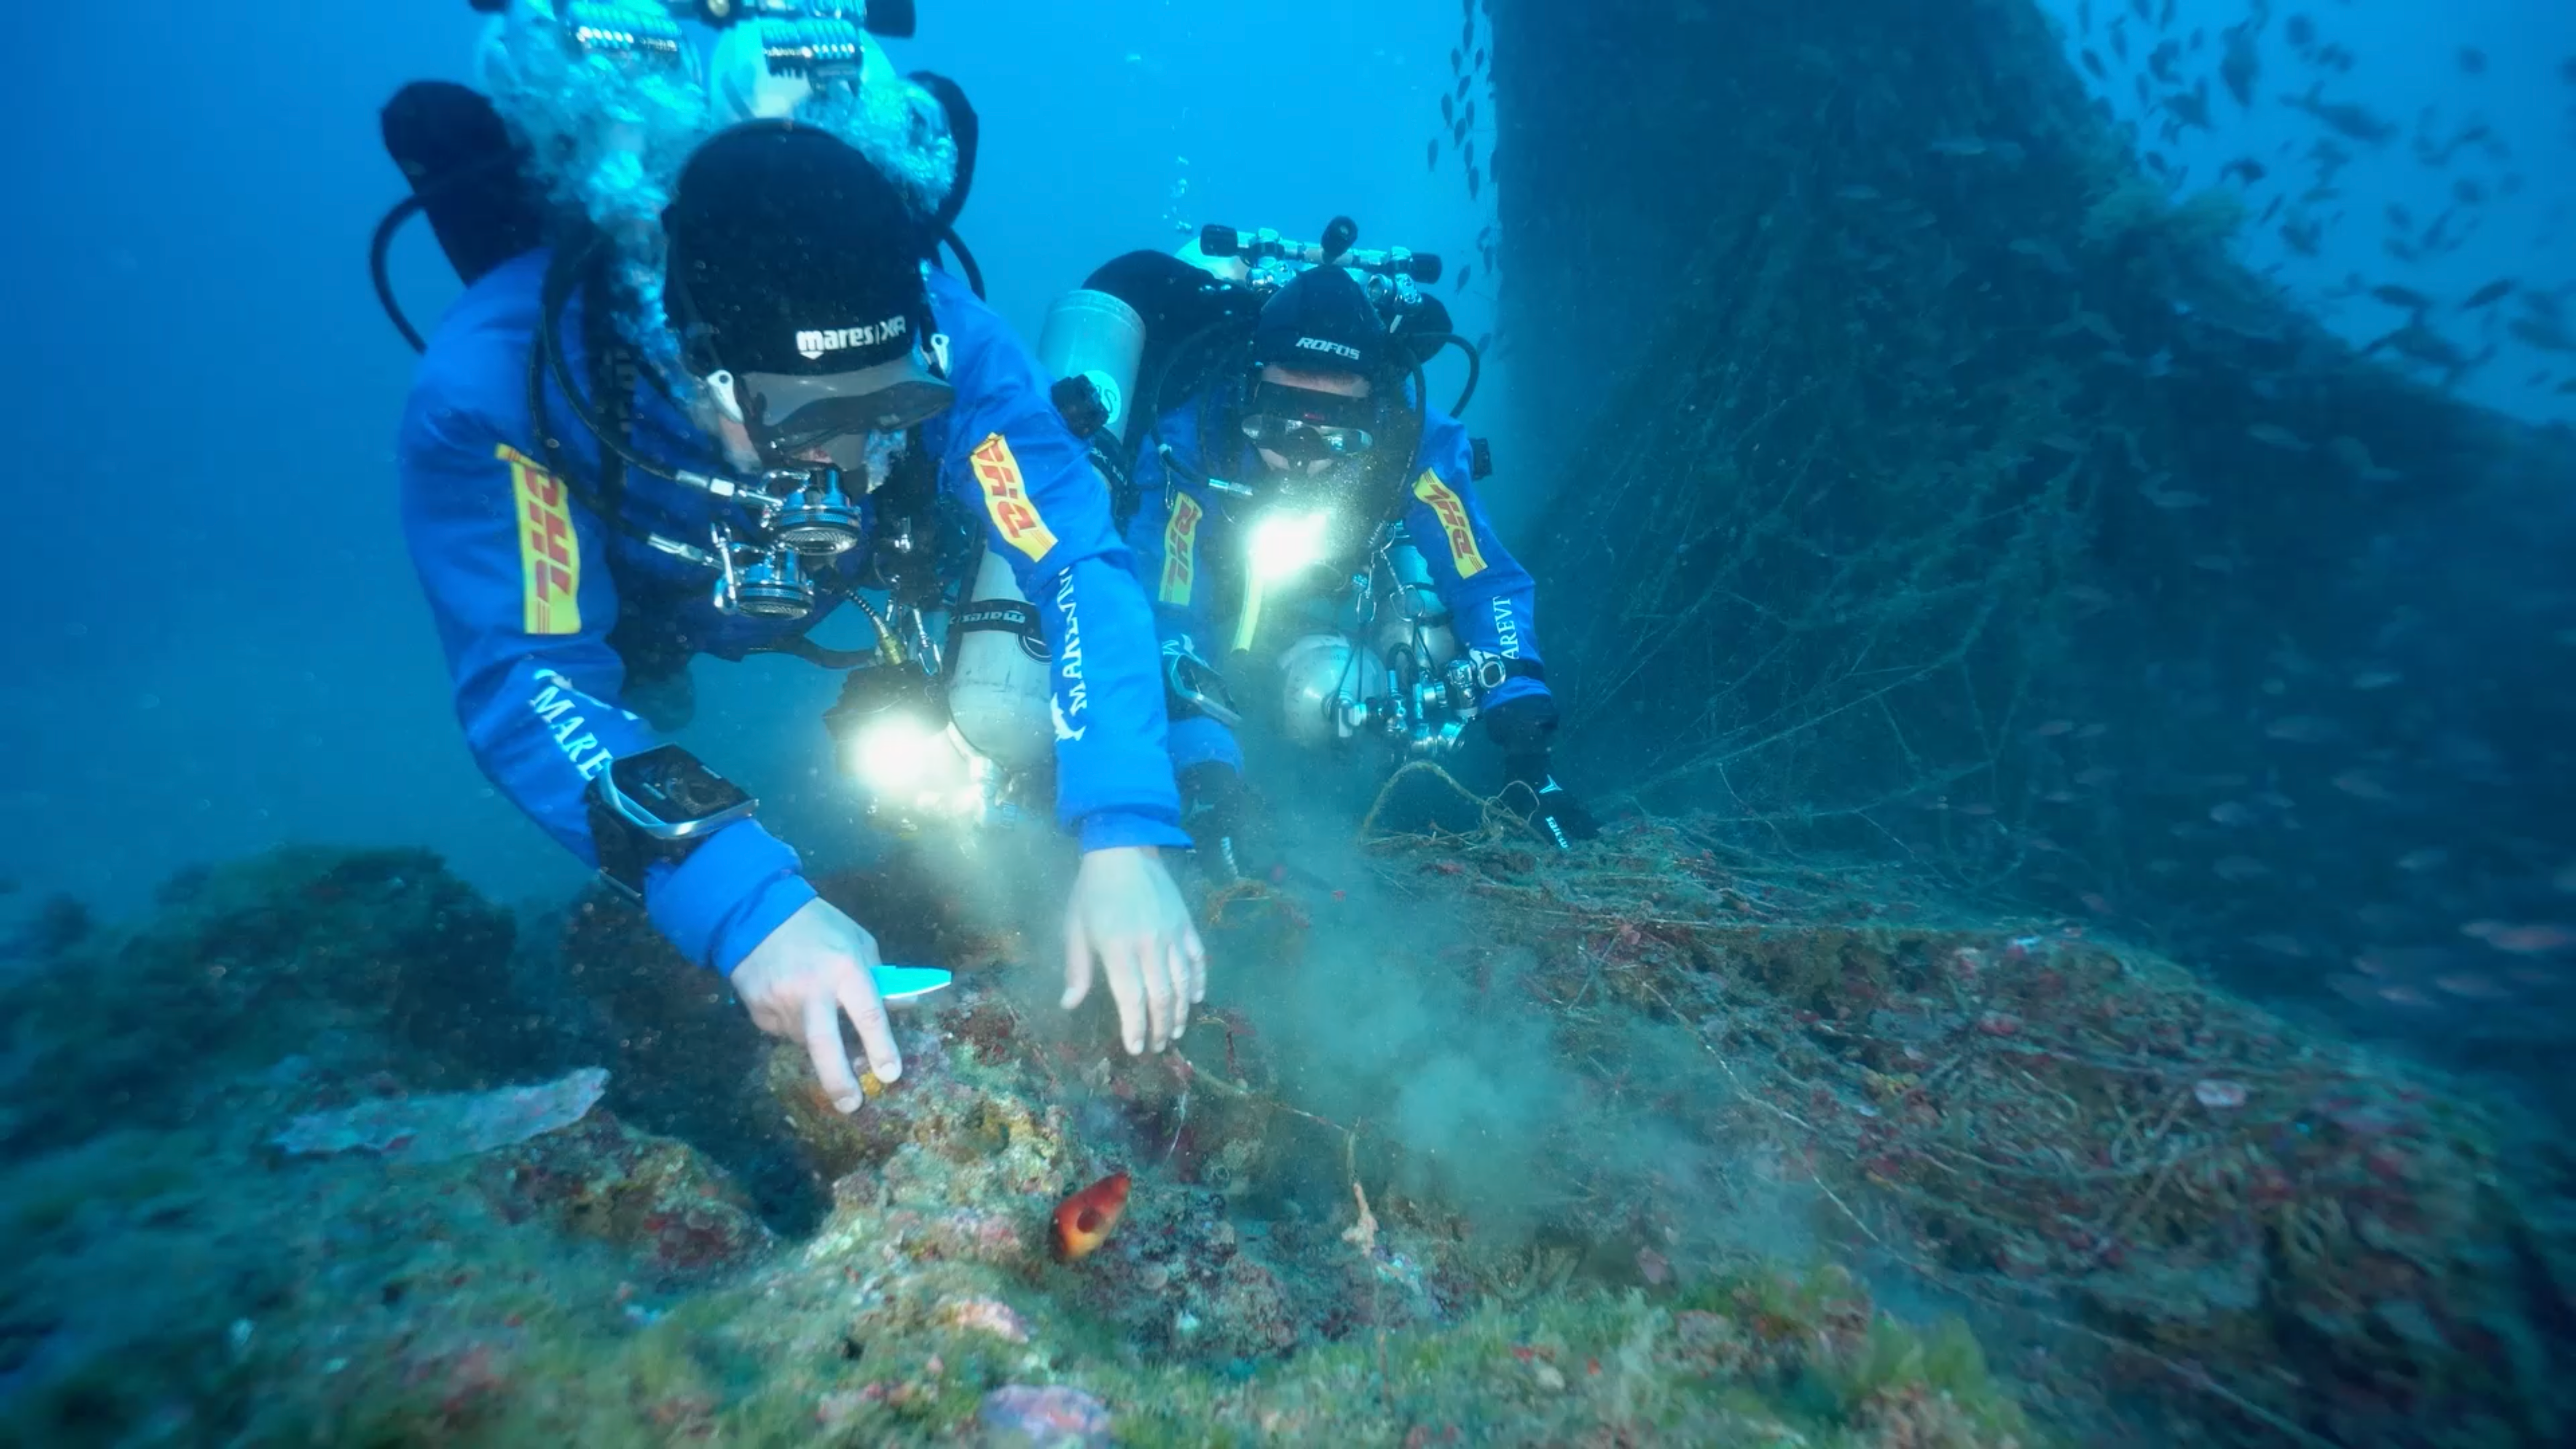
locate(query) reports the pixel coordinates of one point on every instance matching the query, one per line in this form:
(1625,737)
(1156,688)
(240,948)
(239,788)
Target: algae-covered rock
(597,1284)
(684,1057)
(661,1201)
(358,960)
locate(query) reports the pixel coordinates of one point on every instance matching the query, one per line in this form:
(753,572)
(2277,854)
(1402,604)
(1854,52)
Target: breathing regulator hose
(561,280)
(1475,369)
(380,271)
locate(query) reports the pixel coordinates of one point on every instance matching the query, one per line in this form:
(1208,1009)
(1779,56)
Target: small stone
(1548,1378)
(986,1316)
(2218,1094)
(1020,1417)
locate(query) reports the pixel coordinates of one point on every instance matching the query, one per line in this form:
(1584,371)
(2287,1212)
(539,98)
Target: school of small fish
(2299,192)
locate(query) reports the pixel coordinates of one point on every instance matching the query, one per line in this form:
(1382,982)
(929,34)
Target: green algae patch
(1597,1368)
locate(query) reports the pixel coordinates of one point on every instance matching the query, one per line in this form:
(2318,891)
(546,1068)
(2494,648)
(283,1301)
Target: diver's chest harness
(948,716)
(784,546)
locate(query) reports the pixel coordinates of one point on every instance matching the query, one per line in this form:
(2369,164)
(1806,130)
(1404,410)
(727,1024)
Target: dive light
(1286,542)
(894,739)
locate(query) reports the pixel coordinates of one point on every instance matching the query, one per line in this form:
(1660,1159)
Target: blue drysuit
(1184,535)
(526,583)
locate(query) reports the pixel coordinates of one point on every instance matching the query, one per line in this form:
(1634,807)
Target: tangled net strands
(2175,1189)
(1938,487)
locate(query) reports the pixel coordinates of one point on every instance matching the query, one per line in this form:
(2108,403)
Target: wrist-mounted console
(658,805)
(1192,686)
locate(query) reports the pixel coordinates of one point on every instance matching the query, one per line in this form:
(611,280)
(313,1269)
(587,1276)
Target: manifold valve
(622,31)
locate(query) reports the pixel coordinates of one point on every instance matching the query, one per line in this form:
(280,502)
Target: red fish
(1083,1221)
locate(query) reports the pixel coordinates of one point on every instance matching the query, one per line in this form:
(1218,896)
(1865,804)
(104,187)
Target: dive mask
(789,416)
(1307,427)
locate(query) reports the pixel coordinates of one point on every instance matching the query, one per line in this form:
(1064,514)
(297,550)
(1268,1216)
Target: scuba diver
(1282,440)
(695,415)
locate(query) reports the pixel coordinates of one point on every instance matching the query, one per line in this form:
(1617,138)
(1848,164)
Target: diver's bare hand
(799,981)
(1127,913)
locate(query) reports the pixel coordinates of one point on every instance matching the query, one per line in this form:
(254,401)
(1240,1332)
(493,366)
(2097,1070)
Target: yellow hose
(1251,622)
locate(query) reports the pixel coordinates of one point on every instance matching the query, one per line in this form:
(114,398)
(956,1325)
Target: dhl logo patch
(1006,498)
(1181,550)
(1445,502)
(549,553)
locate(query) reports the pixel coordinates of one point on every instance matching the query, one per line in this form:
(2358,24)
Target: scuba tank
(1096,337)
(1328,687)
(998,695)
(1410,616)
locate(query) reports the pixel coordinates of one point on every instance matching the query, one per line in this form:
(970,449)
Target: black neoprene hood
(791,253)
(1322,321)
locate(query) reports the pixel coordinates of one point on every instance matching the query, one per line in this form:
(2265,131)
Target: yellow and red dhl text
(549,554)
(1006,498)
(1180,550)
(1445,502)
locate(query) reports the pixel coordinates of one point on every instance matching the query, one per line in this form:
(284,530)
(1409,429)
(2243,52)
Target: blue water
(2481,115)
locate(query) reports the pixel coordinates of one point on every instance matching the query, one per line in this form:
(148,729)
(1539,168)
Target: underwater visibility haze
(1434,722)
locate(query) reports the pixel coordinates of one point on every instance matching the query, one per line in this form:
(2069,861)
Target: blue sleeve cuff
(1199,739)
(727,896)
(1110,830)
(1519,688)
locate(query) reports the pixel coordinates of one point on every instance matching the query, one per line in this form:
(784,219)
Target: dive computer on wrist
(658,805)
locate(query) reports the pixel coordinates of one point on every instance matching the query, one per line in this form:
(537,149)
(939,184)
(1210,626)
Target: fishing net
(1938,488)
(1951,531)
(2168,1212)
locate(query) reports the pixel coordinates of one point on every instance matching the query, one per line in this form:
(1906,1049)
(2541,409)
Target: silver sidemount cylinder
(1325,684)
(998,681)
(1094,335)
(1405,601)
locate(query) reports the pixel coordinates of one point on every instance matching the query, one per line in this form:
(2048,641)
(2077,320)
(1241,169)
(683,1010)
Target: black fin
(464,169)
